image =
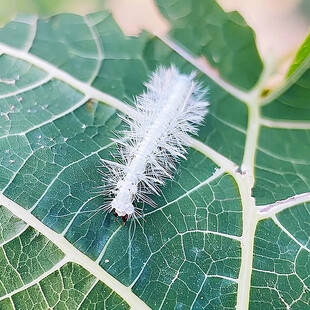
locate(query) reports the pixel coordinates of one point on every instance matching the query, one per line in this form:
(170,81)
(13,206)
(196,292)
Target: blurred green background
(280,25)
(9,8)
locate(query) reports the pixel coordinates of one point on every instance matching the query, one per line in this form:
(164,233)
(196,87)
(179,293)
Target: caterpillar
(172,107)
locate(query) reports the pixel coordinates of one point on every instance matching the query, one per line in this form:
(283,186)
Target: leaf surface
(230,230)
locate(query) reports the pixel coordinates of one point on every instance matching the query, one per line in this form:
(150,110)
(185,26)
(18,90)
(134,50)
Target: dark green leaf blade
(226,41)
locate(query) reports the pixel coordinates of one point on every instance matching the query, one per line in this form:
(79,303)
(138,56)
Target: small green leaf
(301,56)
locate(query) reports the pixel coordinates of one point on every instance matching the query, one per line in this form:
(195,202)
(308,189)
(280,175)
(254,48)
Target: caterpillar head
(122,207)
(124,210)
(124,214)
(122,202)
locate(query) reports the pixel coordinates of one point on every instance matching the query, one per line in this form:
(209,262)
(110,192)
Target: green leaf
(231,228)
(225,40)
(301,56)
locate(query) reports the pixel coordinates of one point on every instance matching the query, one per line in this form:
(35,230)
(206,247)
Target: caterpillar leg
(124,217)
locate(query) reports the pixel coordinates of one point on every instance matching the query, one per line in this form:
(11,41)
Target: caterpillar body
(172,107)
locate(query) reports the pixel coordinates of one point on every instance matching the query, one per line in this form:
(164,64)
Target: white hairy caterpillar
(170,109)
